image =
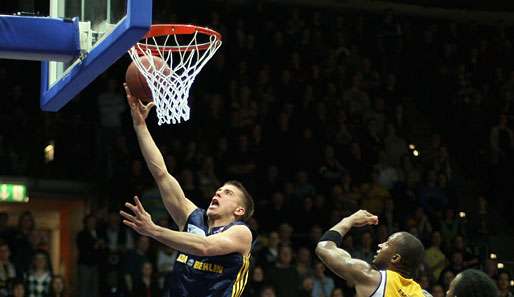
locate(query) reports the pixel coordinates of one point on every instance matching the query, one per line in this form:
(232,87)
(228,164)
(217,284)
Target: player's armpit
(237,239)
(341,263)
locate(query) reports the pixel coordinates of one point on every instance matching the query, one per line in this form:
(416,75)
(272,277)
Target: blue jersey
(215,276)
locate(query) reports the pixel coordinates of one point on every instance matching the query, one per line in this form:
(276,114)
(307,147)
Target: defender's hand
(362,218)
(138,110)
(141,221)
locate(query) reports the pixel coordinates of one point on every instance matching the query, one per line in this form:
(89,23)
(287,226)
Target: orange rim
(176,29)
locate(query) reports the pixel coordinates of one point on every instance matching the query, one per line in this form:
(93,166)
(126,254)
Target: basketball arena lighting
(500,266)
(492,256)
(49,151)
(415,153)
(412,146)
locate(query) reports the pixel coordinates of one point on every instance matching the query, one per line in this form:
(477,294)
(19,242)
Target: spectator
(166,257)
(503,284)
(337,292)
(446,278)
(24,243)
(117,240)
(7,270)
(323,284)
(268,291)
(456,264)
(431,196)
(437,291)
(314,235)
(388,176)
(305,215)
(134,260)
(422,224)
(424,282)
(114,286)
(90,248)
(207,179)
(243,165)
(331,170)
(375,195)
(57,287)
(307,287)
(147,285)
(303,187)
(491,268)
(256,282)
(285,234)
(303,262)
(450,228)
(6,232)
(277,212)
(18,288)
(395,146)
(502,142)
(470,260)
(111,105)
(270,253)
(434,257)
(39,278)
(283,275)
(366,249)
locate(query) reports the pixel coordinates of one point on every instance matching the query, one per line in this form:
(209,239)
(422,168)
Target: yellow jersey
(392,284)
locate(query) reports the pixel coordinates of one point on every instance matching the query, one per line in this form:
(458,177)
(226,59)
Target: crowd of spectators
(315,113)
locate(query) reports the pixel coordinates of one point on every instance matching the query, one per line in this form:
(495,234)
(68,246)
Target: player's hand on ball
(140,221)
(362,218)
(138,110)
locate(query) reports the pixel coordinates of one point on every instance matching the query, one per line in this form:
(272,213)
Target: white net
(171,81)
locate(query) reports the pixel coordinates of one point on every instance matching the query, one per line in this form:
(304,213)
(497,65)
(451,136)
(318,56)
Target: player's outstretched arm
(178,206)
(237,239)
(340,262)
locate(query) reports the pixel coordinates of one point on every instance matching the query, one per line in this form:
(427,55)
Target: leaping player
(214,244)
(393,267)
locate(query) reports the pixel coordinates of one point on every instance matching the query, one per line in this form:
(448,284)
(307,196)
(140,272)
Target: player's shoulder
(238,225)
(196,219)
(240,230)
(408,285)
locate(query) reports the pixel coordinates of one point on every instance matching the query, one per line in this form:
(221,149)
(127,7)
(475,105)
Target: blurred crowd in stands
(319,112)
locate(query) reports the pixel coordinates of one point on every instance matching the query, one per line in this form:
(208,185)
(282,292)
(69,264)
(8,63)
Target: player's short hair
(475,283)
(248,203)
(412,252)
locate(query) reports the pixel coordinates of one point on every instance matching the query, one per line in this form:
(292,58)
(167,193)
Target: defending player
(472,283)
(393,267)
(214,245)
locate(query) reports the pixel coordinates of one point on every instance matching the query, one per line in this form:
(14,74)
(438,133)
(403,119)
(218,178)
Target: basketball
(136,81)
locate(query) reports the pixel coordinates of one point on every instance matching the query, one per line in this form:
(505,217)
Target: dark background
(313,110)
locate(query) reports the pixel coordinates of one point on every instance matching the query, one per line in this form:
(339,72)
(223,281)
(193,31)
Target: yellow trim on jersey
(242,277)
(182,258)
(398,286)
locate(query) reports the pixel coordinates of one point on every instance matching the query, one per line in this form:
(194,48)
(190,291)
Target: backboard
(108,28)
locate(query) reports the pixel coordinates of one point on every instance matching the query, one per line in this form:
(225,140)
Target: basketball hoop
(186,49)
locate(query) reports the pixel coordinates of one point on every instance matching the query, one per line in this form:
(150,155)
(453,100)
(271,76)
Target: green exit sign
(13,193)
